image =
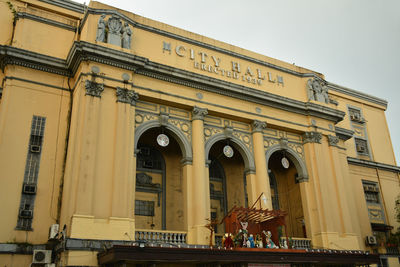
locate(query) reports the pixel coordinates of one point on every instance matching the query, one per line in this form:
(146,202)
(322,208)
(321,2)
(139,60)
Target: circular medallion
(285,162)
(228,151)
(162,140)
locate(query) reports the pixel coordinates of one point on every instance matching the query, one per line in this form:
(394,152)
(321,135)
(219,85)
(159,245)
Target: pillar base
(198,235)
(113,228)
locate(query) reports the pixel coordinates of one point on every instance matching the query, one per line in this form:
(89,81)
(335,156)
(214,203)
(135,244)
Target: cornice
(373,164)
(343,133)
(84,51)
(15,56)
(357,94)
(46,21)
(70,5)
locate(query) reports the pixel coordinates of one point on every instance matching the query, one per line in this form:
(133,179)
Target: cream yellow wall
(378,136)
(6,20)
(377,131)
(22,100)
(38,36)
(389,189)
(12,260)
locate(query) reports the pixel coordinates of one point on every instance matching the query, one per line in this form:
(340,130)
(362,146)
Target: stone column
(124,160)
(198,209)
(262,180)
(86,149)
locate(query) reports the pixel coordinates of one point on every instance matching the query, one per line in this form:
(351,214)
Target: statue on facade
(317,90)
(101,29)
(126,36)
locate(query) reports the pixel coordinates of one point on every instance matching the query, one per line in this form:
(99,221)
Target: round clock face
(162,140)
(228,151)
(285,163)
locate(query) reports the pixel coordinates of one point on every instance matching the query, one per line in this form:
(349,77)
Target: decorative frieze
(199,113)
(258,126)
(361,146)
(312,137)
(93,88)
(355,115)
(127,96)
(333,140)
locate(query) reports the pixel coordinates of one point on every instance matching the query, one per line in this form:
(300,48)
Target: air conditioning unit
(54,228)
(26,214)
(41,256)
(35,148)
(29,189)
(371,240)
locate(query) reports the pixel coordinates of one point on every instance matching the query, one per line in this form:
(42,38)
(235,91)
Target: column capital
(312,137)
(199,113)
(93,88)
(258,126)
(333,140)
(127,96)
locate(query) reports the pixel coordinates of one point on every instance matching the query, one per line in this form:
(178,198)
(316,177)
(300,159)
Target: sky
(354,43)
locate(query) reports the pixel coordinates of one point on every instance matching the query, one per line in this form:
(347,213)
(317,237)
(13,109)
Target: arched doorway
(227,183)
(285,191)
(159,196)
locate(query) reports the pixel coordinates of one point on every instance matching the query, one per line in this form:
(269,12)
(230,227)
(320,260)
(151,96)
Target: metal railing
(297,243)
(159,236)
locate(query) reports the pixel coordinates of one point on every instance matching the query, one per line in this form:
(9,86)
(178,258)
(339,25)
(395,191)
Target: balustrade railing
(297,243)
(218,240)
(158,236)
(392,250)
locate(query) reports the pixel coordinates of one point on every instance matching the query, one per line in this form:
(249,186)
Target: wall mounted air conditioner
(371,240)
(41,256)
(54,228)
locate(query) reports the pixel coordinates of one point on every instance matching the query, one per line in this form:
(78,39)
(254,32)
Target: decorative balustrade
(297,243)
(392,250)
(154,236)
(218,240)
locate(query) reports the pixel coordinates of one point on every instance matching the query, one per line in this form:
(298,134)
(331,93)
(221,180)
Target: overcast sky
(354,43)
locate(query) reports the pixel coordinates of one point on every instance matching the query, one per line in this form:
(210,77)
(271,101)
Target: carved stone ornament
(284,142)
(317,90)
(94,88)
(259,126)
(164,117)
(127,96)
(114,30)
(228,131)
(312,137)
(333,140)
(199,113)
(101,29)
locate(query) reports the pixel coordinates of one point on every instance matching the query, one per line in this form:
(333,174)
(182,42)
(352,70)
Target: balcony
(297,243)
(161,237)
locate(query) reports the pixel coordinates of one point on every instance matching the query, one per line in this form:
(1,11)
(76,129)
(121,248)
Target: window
(29,187)
(144,208)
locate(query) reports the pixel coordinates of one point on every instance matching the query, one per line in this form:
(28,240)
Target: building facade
(123,136)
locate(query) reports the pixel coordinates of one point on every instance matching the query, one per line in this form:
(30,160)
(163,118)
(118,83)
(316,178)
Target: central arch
(178,135)
(236,143)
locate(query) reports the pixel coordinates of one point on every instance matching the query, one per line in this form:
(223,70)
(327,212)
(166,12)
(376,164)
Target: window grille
(29,187)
